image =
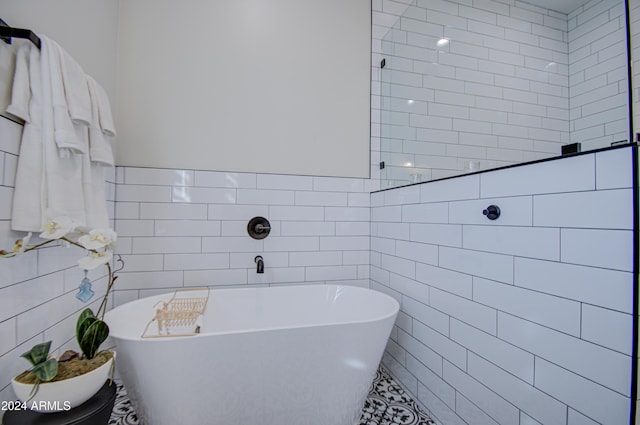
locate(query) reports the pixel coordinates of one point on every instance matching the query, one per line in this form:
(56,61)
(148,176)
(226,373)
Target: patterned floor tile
(386,404)
(123,413)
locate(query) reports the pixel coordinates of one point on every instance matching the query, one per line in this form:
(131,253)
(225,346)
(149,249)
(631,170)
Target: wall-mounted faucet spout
(260,264)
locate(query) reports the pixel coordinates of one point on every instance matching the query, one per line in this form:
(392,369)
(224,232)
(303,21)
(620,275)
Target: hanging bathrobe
(29,200)
(55,175)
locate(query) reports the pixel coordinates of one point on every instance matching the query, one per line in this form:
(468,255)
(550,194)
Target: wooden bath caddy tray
(179,316)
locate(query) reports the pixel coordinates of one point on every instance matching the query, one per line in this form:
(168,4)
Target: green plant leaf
(46,371)
(95,335)
(38,353)
(85,320)
(83,325)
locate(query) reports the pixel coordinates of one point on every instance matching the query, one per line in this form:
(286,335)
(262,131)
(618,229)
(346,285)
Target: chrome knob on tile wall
(492,212)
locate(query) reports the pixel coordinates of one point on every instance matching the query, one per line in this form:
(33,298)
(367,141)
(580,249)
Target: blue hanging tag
(84,290)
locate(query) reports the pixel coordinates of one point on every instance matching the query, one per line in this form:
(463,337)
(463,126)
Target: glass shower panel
(403,104)
(466,89)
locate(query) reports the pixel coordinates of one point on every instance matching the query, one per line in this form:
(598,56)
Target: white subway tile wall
(598,105)
(463,359)
(525,318)
(494,84)
(198,236)
(37,289)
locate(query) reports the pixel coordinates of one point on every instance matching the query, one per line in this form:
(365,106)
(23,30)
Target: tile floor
(387,404)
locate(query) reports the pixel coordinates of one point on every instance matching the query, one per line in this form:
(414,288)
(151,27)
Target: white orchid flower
(57,227)
(98,238)
(95,259)
(77,232)
(21,244)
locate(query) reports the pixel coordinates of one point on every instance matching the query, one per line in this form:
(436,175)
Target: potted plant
(63,383)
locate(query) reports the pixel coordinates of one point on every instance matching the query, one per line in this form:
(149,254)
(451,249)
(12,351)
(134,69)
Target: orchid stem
(103,305)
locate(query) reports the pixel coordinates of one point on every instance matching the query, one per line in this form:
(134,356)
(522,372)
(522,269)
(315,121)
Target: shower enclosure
(466,88)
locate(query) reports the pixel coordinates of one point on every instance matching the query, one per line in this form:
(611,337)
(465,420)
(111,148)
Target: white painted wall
(278,86)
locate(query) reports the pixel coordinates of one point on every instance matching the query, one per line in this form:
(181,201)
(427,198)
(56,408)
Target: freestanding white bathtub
(265,356)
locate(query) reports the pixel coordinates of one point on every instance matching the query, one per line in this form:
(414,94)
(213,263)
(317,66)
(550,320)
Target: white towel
(21,89)
(45,180)
(75,88)
(68,137)
(28,209)
(101,156)
(99,142)
(64,174)
(104,109)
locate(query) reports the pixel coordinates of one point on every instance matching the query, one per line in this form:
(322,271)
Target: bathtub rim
(379,318)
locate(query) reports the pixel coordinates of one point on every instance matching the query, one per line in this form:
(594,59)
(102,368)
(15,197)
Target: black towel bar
(7,33)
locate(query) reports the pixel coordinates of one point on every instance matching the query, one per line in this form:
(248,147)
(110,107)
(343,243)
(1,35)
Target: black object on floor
(95,411)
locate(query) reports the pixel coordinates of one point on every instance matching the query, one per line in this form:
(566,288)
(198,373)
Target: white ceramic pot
(63,395)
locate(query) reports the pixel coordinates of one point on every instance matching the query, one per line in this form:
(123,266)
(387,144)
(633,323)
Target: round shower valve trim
(258,227)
